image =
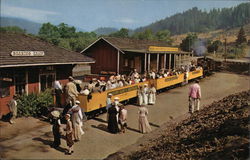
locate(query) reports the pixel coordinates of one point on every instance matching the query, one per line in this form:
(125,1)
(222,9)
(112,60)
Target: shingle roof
(132,45)
(20,42)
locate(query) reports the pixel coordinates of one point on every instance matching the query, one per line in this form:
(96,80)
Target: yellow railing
(98,100)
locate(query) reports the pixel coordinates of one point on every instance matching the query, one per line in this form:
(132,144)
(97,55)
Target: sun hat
(71,78)
(55,114)
(67,115)
(78,102)
(116,98)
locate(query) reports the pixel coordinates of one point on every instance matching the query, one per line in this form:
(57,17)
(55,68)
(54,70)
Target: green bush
(34,104)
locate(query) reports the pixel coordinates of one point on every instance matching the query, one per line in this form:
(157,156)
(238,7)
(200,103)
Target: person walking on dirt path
(56,128)
(123,118)
(152,95)
(71,91)
(77,118)
(194,97)
(144,126)
(69,134)
(108,104)
(117,106)
(112,120)
(13,109)
(140,95)
(145,94)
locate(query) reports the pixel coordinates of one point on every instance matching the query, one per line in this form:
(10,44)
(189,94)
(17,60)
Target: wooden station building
(121,55)
(29,65)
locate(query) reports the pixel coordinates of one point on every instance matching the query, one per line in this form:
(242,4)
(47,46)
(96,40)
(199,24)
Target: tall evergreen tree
(241,38)
(188,42)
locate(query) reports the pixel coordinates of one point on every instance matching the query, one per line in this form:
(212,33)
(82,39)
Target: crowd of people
(73,115)
(115,81)
(117,115)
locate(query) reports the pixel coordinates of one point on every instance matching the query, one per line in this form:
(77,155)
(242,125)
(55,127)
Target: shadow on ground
(48,143)
(101,127)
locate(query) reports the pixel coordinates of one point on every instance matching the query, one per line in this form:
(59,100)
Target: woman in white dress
(144,126)
(77,118)
(152,95)
(145,94)
(140,95)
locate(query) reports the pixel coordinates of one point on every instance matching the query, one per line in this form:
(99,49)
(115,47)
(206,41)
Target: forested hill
(195,20)
(105,30)
(28,26)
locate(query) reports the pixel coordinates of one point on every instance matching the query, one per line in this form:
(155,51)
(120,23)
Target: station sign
(163,49)
(27,53)
(6,79)
(121,91)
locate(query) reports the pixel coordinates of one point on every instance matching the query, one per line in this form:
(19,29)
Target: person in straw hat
(56,128)
(140,95)
(69,133)
(145,94)
(113,117)
(77,118)
(144,126)
(117,106)
(108,104)
(152,95)
(71,91)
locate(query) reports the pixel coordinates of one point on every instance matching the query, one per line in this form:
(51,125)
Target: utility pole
(225,56)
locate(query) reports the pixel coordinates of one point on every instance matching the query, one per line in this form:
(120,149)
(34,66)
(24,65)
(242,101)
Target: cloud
(126,20)
(27,13)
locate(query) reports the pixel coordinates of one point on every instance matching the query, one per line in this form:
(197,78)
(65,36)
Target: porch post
(164,61)
(26,81)
(149,62)
(180,60)
(157,62)
(174,60)
(169,67)
(118,62)
(145,62)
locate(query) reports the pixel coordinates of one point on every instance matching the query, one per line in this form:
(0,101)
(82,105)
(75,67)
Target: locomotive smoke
(199,47)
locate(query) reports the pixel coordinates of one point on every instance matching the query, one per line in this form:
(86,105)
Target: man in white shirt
(13,109)
(58,92)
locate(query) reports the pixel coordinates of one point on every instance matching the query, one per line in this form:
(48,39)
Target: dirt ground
(30,138)
(218,131)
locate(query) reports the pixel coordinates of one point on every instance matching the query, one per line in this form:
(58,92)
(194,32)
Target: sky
(92,14)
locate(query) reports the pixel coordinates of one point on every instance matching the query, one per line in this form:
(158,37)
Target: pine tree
(241,38)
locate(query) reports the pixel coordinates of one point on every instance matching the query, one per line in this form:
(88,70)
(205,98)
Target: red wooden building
(121,55)
(28,64)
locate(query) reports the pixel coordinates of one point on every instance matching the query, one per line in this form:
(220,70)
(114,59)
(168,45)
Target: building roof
(53,55)
(132,45)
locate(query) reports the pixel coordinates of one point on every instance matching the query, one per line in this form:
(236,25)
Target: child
(56,128)
(69,131)
(123,118)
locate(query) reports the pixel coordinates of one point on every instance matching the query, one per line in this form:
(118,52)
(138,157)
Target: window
(126,62)
(20,82)
(46,81)
(5,88)
(131,63)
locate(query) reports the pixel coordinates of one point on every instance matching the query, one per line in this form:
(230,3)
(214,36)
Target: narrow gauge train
(97,103)
(208,65)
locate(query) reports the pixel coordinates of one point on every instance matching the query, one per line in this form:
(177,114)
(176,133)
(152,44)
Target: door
(46,81)
(138,64)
